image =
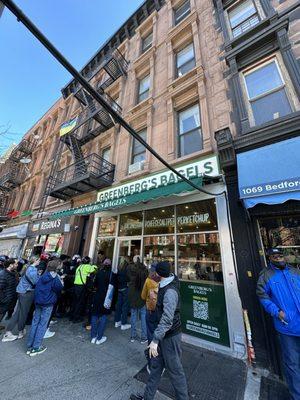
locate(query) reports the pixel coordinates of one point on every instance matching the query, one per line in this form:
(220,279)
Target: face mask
(279,264)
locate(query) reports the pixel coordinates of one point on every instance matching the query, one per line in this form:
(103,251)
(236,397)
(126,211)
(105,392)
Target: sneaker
(136,397)
(132,340)
(102,340)
(53,322)
(29,350)
(48,334)
(9,337)
(144,341)
(125,327)
(117,324)
(93,341)
(35,352)
(21,335)
(88,327)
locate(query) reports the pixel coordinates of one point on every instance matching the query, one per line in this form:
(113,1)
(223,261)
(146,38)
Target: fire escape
(13,172)
(91,172)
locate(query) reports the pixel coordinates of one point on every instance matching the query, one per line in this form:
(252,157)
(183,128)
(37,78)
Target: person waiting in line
(165,347)
(98,312)
(122,307)
(278,289)
(80,292)
(8,284)
(46,293)
(25,290)
(137,274)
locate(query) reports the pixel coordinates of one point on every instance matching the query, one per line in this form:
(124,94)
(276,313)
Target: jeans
(122,306)
(98,326)
(133,321)
(151,322)
(290,349)
(21,312)
(39,324)
(169,357)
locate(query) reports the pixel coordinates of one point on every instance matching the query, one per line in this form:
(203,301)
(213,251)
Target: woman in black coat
(98,311)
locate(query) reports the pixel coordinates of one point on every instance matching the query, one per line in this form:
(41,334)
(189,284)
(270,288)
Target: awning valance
(270,174)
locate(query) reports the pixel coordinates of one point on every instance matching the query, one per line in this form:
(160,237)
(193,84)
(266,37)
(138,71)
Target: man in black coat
(8,284)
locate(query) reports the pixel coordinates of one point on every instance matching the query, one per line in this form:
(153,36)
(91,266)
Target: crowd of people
(38,291)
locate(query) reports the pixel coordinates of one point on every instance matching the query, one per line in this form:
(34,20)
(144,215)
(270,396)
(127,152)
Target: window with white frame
(144,87)
(182,11)
(185,60)
(189,131)
(138,153)
(243,17)
(266,92)
(147,42)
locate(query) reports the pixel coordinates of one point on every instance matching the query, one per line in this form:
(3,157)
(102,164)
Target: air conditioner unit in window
(138,166)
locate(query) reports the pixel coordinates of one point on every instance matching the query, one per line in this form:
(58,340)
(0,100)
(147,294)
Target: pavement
(73,368)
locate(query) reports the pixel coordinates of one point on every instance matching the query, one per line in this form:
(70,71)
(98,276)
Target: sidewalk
(73,368)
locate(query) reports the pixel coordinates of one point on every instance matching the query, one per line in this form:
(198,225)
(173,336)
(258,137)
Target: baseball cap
(274,251)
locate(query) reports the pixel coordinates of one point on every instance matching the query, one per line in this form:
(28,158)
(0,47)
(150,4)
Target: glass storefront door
(129,248)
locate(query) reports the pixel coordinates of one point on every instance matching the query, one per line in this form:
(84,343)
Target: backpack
(152,299)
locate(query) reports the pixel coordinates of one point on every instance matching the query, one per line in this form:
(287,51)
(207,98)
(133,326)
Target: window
(106,154)
(243,17)
(147,42)
(189,131)
(138,150)
(144,86)
(266,93)
(185,60)
(182,11)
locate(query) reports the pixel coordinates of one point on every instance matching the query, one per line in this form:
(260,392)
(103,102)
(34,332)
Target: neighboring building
(261,156)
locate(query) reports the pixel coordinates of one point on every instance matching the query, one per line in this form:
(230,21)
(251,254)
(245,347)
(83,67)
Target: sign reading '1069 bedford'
(205,166)
(203,311)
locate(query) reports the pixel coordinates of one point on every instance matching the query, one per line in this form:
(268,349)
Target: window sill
(140,108)
(197,154)
(144,58)
(134,175)
(185,80)
(182,25)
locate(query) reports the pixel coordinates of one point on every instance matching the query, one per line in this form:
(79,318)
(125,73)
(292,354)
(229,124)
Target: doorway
(129,247)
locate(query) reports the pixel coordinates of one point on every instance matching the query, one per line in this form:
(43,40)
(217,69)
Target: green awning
(146,195)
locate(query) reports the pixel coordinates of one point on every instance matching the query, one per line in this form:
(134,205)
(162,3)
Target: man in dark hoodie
(165,348)
(46,292)
(8,284)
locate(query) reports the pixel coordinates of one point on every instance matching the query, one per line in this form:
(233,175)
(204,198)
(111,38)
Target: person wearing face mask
(278,289)
(165,347)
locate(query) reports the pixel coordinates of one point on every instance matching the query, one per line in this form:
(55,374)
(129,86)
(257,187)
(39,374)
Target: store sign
(207,166)
(57,225)
(281,186)
(18,231)
(203,311)
(185,220)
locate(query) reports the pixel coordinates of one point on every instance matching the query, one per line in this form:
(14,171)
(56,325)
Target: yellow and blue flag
(66,127)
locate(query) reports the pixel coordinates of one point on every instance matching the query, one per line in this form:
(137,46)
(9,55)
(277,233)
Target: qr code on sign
(200,309)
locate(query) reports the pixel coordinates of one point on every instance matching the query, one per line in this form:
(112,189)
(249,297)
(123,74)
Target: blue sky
(30,78)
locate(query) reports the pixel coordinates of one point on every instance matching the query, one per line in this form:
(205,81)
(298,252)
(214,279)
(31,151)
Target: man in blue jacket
(278,289)
(46,291)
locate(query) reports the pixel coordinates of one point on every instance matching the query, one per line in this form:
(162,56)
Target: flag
(66,127)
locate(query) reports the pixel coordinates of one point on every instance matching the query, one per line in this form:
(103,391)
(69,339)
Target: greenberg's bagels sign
(206,166)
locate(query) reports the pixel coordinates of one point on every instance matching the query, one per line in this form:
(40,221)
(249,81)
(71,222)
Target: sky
(30,78)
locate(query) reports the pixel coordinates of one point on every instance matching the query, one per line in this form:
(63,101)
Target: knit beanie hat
(163,269)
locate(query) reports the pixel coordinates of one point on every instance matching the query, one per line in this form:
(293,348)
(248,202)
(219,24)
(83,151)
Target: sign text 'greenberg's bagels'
(207,166)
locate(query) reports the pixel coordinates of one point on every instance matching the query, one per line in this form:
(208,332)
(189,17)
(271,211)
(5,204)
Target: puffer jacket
(8,284)
(47,289)
(279,290)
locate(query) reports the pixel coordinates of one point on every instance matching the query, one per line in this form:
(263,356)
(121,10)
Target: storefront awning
(14,232)
(136,198)
(270,174)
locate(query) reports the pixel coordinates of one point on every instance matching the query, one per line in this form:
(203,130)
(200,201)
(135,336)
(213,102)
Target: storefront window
(160,220)
(199,257)
(284,233)
(54,243)
(108,226)
(107,245)
(131,224)
(197,217)
(159,248)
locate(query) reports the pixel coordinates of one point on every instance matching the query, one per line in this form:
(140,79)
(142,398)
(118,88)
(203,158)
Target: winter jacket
(47,289)
(149,293)
(134,294)
(8,284)
(82,272)
(121,278)
(102,279)
(167,309)
(279,290)
(29,280)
